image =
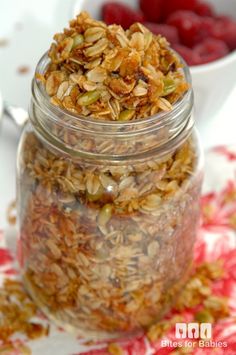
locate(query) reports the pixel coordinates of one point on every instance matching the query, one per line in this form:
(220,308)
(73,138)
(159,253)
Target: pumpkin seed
(169,86)
(126,115)
(105,214)
(204,316)
(89,98)
(78,39)
(96,196)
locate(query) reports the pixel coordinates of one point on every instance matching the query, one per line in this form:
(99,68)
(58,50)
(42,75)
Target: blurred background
(26,31)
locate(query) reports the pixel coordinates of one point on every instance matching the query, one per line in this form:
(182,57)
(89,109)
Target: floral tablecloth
(216,240)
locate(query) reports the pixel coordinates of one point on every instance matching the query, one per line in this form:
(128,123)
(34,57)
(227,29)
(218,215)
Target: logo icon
(193,330)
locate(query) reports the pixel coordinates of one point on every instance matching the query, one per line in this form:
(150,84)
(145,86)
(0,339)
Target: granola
(106,243)
(16,313)
(17,310)
(112,74)
(23,69)
(98,244)
(197,292)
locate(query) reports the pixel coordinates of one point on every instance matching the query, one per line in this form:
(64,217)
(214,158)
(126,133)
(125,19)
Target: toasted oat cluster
(16,313)
(112,74)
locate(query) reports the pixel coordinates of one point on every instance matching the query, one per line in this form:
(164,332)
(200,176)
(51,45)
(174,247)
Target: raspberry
(225,30)
(204,9)
(170,6)
(152,9)
(191,57)
(188,25)
(207,25)
(211,49)
(206,29)
(114,12)
(223,18)
(169,32)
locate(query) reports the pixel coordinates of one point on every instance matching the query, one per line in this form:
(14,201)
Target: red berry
(225,30)
(204,9)
(170,6)
(188,25)
(207,25)
(169,32)
(211,49)
(206,29)
(187,54)
(152,9)
(223,18)
(116,13)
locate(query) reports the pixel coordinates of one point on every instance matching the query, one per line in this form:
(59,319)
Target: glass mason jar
(108,213)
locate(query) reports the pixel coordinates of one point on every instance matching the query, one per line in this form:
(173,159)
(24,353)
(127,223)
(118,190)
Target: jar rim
(160,119)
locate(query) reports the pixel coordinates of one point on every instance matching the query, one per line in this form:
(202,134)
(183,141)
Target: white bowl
(213,82)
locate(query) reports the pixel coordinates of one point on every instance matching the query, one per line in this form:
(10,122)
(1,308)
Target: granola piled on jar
(106,243)
(112,74)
